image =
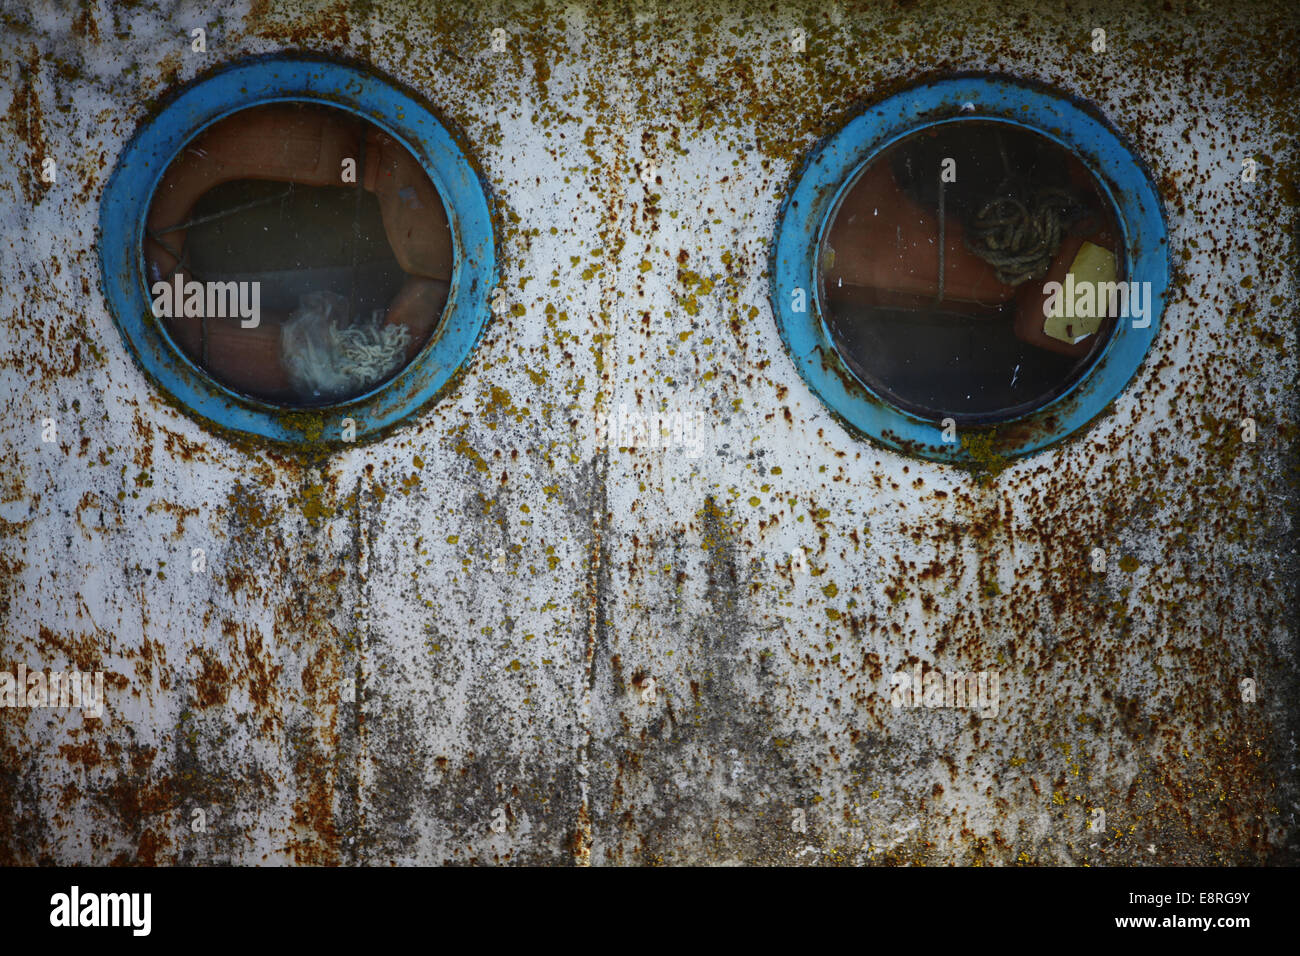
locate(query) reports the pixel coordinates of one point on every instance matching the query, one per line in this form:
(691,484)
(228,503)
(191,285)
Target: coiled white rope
(368,353)
(326,361)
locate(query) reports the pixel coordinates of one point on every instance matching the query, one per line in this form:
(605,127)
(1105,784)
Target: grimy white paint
(500,586)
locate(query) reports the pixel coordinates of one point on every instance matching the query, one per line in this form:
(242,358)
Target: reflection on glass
(934,267)
(298,254)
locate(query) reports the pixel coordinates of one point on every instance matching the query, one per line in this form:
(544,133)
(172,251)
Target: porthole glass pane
(298,254)
(935,265)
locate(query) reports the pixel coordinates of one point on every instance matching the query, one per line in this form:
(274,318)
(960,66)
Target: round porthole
(971,266)
(297,249)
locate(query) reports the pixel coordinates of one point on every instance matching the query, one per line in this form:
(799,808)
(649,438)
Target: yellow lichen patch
(463,447)
(981,447)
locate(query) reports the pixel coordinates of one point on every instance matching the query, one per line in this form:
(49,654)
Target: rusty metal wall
(642,674)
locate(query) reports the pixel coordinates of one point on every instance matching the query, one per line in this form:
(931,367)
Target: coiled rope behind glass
(1018,231)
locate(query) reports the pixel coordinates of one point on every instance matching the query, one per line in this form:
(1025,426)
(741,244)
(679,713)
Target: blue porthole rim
(437,144)
(831,166)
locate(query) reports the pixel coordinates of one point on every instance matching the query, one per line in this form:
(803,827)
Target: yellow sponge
(1093,265)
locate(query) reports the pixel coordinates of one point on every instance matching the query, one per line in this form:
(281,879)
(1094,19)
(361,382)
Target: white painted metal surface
(609,655)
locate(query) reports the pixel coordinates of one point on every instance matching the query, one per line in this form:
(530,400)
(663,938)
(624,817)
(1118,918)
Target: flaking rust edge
(524,688)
